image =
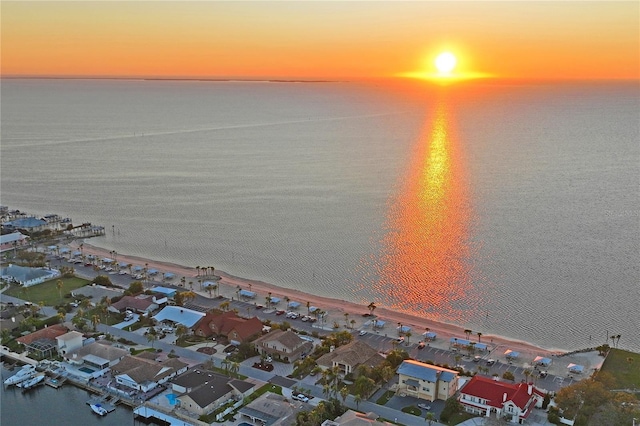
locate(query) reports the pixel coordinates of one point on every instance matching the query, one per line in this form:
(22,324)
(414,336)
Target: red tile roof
(227,322)
(493,391)
(49,333)
(130,302)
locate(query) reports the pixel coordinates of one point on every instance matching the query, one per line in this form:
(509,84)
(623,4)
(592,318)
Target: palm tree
(344,392)
(59,285)
(429,418)
(408,334)
(357,399)
(617,339)
(234,367)
(468,333)
(268,300)
(198,269)
(346,319)
(308,307)
(479,336)
(225,306)
(95,320)
(372,307)
(287,300)
(225,363)
(353,323)
(613,339)
(152,336)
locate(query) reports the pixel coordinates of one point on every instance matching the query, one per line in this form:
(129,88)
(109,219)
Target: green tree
(152,336)
(59,285)
(135,288)
(104,281)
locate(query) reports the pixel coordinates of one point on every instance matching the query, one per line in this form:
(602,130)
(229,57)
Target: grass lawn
(412,410)
(385,398)
(459,418)
(47,292)
(624,366)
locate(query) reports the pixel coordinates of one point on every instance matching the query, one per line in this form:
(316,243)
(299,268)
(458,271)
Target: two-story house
(283,345)
(426,381)
(484,396)
(348,357)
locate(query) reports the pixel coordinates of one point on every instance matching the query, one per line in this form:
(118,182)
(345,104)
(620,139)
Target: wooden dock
(55,382)
(105,402)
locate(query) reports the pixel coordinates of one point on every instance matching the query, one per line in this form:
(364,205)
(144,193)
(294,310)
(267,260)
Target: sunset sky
(320,40)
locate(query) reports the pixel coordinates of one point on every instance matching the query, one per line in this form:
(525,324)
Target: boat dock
(105,402)
(55,382)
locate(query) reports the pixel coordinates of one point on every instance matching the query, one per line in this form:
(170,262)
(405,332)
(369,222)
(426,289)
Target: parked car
(279,312)
(477,358)
(491,361)
(421,345)
(362,332)
(269,359)
(424,406)
(300,397)
(231,348)
(400,339)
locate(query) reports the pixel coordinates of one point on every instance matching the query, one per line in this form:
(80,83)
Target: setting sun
(446,62)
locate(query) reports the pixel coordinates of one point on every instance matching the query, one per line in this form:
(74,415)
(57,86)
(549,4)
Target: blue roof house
(426,381)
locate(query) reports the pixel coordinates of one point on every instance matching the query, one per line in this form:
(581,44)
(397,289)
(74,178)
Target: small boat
(98,409)
(26,372)
(32,382)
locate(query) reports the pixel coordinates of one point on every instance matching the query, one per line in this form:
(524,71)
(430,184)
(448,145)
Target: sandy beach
(335,308)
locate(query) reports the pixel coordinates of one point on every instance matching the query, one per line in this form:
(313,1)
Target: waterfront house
(69,342)
(203,391)
(143,374)
(229,325)
(485,397)
(426,381)
(43,342)
(29,224)
(12,241)
(99,355)
(283,345)
(348,357)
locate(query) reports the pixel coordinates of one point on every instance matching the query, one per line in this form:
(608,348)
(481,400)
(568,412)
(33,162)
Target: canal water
(45,405)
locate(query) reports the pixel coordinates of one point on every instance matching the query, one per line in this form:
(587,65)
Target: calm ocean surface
(508,209)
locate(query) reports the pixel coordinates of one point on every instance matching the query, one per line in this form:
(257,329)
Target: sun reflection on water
(424,265)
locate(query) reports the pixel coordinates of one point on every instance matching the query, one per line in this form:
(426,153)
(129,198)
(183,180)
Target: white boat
(26,372)
(32,382)
(98,409)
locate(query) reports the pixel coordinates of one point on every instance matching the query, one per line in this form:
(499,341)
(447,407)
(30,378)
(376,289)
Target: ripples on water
(505,209)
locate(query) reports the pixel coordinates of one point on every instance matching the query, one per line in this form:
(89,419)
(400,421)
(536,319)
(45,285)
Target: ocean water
(509,209)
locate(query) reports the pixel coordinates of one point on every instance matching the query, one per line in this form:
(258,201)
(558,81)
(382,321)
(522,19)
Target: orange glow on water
(424,264)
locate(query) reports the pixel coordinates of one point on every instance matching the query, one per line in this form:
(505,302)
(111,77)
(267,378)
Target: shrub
(508,375)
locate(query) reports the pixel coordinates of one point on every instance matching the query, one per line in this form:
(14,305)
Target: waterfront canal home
(26,276)
(348,357)
(43,343)
(228,325)
(487,397)
(203,391)
(69,342)
(97,355)
(144,375)
(426,381)
(13,241)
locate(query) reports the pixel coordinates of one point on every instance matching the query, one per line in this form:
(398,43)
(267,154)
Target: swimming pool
(86,370)
(172,398)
